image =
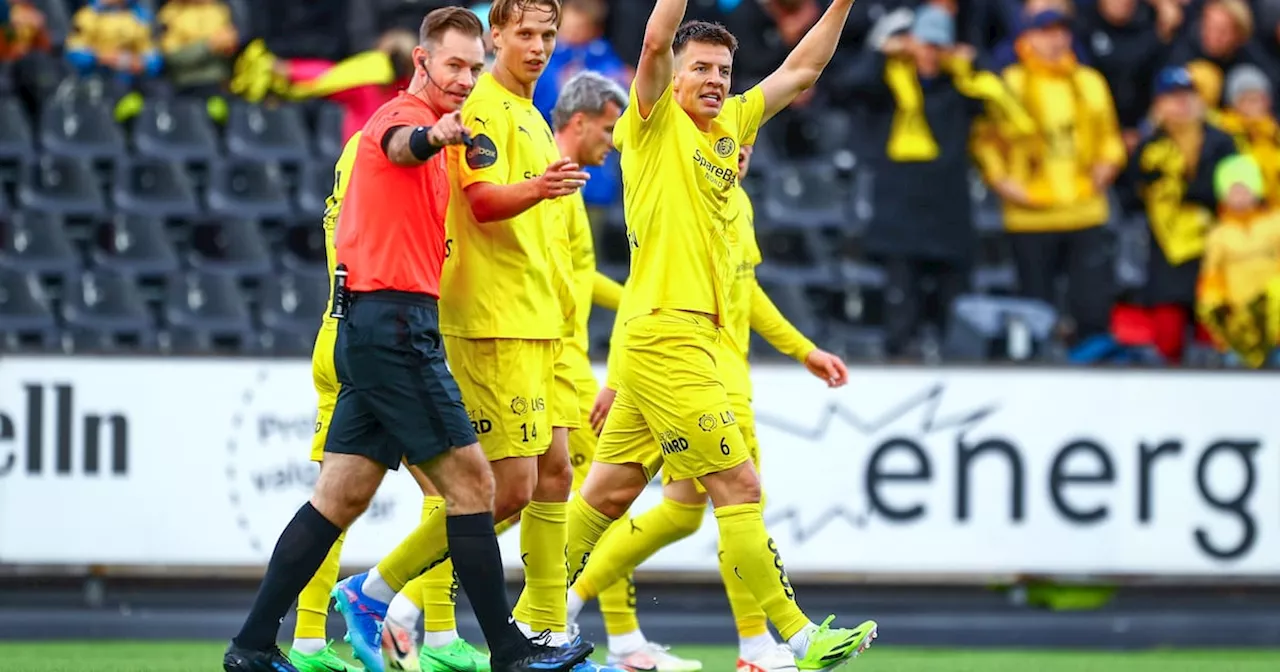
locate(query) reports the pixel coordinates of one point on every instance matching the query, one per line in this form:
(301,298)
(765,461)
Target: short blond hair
(504,12)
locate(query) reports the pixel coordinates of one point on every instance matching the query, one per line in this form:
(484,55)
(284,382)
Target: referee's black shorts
(398,398)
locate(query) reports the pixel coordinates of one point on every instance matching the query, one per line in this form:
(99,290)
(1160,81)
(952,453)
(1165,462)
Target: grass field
(205,656)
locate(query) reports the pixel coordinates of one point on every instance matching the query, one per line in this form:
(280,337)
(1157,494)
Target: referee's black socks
(298,554)
(478,563)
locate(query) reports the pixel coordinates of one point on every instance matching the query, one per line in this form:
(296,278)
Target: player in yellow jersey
(505,305)
(620,552)
(679,140)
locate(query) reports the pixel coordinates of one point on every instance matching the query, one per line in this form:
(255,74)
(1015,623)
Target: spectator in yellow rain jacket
(1170,182)
(1239,291)
(198,40)
(1054,184)
(113,37)
(1249,119)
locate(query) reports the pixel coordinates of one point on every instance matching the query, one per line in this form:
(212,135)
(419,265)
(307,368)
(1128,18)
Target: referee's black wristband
(420,144)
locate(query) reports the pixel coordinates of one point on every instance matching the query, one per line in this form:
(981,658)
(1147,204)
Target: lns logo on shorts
(520,405)
(708,422)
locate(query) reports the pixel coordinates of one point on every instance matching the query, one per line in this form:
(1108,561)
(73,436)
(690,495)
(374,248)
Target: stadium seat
(994,279)
(176,129)
(37,242)
(16,141)
(314,188)
(62,184)
(287,343)
(87,340)
(154,186)
(795,304)
(328,136)
(304,250)
(233,246)
(28,320)
(210,302)
(599,331)
(106,302)
(987,327)
(293,303)
(183,340)
(75,125)
(793,251)
(264,133)
(248,189)
(858,344)
(137,244)
(807,194)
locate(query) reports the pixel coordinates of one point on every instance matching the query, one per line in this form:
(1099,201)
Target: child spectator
(1248,117)
(1238,297)
(198,41)
(112,39)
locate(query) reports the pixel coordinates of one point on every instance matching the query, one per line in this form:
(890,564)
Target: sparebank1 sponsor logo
(269,471)
(912,464)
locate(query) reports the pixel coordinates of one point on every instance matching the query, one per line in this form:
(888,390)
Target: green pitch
(205,656)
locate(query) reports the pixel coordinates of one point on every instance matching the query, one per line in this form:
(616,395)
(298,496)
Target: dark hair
(504,12)
(440,21)
(706,33)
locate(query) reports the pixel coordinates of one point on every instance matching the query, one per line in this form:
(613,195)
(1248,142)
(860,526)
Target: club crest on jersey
(725,147)
(482,153)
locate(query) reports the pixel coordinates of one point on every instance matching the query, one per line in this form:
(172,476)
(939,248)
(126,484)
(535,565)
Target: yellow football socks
(632,542)
(543,537)
(748,549)
(586,526)
(427,540)
(747,614)
(313,603)
(618,607)
(439,594)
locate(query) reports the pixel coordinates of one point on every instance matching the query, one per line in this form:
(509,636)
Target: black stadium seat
(233,246)
(137,244)
(107,302)
(328,139)
(807,194)
(28,320)
(16,139)
(177,129)
(154,186)
(294,303)
(263,133)
(37,242)
(211,302)
(248,189)
(77,126)
(61,184)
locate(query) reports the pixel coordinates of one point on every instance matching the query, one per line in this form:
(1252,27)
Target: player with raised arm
(624,548)
(679,140)
(397,400)
(505,305)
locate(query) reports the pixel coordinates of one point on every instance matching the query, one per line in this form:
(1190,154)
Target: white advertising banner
(906,470)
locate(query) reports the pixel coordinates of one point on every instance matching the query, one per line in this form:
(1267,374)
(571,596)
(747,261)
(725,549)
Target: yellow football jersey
(504,279)
(332,206)
(678,186)
(583,250)
(737,325)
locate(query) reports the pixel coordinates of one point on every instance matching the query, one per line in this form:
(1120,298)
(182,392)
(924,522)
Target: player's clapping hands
(828,367)
(449,131)
(561,178)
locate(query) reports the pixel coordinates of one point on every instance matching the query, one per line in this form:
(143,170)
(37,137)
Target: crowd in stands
(1086,181)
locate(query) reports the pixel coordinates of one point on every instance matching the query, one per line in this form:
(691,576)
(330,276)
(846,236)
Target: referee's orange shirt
(391,228)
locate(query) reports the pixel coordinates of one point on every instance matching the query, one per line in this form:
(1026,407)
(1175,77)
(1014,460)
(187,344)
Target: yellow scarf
(1179,227)
(910,138)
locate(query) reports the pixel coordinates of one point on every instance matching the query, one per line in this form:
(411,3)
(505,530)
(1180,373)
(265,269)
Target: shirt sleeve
(488,159)
(388,118)
(769,322)
(606,292)
(632,129)
(750,114)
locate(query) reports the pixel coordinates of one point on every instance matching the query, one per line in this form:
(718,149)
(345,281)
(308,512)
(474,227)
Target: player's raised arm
(806,62)
(657,62)
(413,146)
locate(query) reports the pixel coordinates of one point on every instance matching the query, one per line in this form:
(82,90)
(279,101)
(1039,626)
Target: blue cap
(1174,78)
(934,25)
(1046,19)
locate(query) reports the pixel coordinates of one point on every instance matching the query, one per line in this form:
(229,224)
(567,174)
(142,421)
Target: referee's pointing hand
(448,130)
(561,179)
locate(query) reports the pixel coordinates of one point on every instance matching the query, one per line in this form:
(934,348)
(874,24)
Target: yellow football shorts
(507,385)
(325,379)
(735,374)
(564,395)
(671,392)
(582,441)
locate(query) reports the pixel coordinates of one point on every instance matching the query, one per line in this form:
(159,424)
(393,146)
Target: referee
(398,400)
